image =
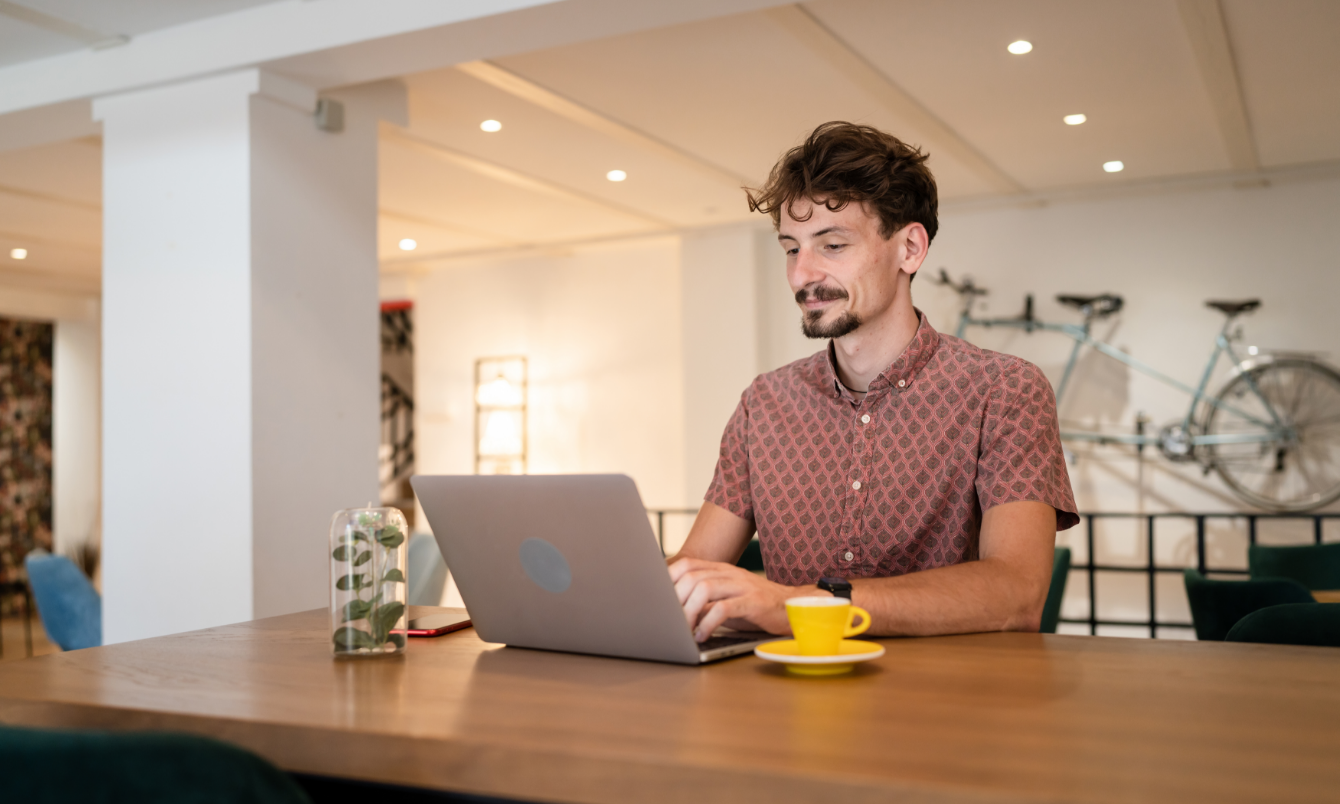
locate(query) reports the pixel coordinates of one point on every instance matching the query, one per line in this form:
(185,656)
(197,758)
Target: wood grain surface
(985,717)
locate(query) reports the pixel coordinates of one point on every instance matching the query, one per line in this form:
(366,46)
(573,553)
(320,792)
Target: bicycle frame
(1273,430)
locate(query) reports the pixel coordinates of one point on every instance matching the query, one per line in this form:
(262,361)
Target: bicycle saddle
(1102,305)
(1234,307)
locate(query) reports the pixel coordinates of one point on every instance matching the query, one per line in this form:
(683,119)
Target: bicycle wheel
(1284,474)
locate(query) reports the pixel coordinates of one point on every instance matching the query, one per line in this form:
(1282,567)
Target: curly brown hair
(842,162)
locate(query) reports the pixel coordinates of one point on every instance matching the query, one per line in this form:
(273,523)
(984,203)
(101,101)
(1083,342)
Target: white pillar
(240,346)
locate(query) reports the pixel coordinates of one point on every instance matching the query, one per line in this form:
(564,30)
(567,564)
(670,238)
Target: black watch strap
(839,587)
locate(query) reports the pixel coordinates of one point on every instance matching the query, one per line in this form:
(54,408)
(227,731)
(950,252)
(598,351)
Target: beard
(811,321)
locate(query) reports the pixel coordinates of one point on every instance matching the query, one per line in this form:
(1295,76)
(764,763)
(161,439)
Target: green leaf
(384,618)
(354,582)
(390,537)
(341,553)
(398,639)
(394,575)
(363,558)
(356,610)
(349,638)
(354,536)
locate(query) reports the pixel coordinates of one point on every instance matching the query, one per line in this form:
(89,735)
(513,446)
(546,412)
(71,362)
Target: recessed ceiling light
(616,175)
(19,253)
(408,245)
(1115,166)
(1074,119)
(1020,47)
(491,126)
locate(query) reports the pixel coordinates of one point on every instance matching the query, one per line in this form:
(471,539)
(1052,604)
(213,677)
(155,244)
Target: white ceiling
(25,40)
(691,111)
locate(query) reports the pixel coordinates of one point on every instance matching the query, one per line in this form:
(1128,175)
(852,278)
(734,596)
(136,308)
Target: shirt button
(847,556)
(902,383)
(865,419)
(856,485)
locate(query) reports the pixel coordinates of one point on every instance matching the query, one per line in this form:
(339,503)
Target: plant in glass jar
(367,572)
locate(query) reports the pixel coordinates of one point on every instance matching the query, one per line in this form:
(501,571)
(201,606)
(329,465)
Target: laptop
(566,563)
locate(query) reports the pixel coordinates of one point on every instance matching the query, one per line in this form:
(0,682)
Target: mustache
(820,293)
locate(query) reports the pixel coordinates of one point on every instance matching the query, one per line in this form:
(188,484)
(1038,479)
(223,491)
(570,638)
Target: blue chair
(1291,624)
(427,571)
(1051,610)
(71,609)
(1316,566)
(1217,606)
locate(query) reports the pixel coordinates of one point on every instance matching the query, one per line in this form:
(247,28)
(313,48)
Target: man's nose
(804,270)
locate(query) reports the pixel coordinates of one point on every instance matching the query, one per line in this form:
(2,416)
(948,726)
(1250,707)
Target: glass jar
(368,562)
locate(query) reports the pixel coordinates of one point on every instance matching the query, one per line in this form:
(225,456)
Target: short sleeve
(730,482)
(1021,456)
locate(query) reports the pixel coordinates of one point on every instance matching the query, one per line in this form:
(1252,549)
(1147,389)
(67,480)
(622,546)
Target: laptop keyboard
(716,642)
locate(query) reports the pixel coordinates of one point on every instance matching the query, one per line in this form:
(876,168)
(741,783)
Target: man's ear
(912,247)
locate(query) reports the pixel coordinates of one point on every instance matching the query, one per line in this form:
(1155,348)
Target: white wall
(1165,253)
(600,328)
(76,432)
(709,314)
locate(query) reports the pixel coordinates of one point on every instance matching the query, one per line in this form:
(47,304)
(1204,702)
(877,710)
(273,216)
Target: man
(912,471)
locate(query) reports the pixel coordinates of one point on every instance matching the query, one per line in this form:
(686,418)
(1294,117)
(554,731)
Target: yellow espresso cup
(821,623)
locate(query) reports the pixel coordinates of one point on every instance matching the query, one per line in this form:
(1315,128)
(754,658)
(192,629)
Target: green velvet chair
(40,765)
(752,559)
(1216,606)
(1291,624)
(1051,610)
(1316,566)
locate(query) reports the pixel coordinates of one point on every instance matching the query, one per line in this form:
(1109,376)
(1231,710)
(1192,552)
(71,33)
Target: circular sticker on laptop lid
(545,565)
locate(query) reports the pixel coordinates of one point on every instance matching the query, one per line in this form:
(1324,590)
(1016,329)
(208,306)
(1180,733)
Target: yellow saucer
(850,651)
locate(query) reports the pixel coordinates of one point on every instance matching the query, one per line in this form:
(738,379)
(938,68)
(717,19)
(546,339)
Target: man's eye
(835,246)
(792,251)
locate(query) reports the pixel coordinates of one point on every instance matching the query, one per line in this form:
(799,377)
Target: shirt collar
(905,369)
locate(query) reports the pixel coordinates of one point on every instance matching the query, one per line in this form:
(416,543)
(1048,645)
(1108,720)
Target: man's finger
(716,614)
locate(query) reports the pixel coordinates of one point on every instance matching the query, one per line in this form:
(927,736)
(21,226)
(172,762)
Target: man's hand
(715,594)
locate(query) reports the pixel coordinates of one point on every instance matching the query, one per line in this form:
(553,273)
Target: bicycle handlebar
(964,288)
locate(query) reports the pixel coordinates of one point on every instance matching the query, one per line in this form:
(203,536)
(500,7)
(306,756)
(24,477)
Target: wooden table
(985,717)
(1327,595)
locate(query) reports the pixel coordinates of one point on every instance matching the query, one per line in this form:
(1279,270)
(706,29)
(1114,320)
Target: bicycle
(1272,432)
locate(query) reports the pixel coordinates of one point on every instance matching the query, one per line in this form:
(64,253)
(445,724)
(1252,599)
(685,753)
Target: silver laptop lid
(560,562)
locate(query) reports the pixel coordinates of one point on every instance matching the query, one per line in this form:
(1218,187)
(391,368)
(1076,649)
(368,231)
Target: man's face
(842,271)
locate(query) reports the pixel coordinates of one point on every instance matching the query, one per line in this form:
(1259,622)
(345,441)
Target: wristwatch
(839,587)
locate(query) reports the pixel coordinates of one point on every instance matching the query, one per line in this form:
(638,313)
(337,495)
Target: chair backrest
(71,609)
(752,558)
(144,767)
(427,571)
(1216,606)
(1291,624)
(1316,566)
(1051,610)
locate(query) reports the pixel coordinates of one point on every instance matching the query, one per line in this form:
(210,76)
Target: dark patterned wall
(25,442)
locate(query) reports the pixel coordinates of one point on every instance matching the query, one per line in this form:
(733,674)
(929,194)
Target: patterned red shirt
(896,482)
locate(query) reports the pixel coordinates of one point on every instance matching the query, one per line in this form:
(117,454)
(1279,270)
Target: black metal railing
(1150,567)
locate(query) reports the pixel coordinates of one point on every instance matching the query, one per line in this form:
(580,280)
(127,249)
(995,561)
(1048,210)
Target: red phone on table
(438,623)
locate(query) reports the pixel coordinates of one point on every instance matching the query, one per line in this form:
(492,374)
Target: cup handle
(853,630)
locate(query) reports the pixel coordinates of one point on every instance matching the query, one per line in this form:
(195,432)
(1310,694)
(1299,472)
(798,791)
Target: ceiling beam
(550,101)
(448,227)
(56,25)
(939,137)
(19,192)
(515,178)
(1204,22)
